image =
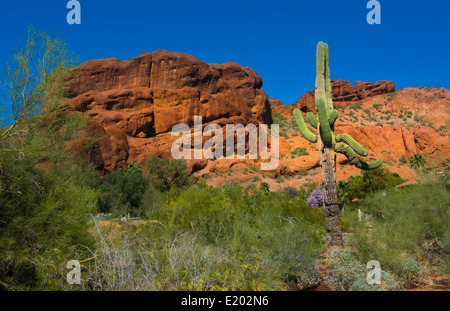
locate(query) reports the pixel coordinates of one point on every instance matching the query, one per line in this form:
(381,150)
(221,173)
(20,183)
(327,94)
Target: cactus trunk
(331,209)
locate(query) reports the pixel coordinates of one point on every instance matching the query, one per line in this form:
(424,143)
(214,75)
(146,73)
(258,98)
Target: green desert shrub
(278,118)
(370,182)
(300,151)
(403,219)
(123,191)
(256,178)
(166,173)
(347,273)
(403,159)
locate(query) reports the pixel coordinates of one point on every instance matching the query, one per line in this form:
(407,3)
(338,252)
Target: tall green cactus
(329,144)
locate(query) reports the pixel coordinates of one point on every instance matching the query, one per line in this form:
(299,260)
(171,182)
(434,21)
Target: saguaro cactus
(329,144)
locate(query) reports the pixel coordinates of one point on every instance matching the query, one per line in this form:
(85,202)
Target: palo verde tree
(29,73)
(329,144)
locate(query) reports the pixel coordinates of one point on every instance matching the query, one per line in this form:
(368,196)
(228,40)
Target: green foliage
(356,107)
(256,178)
(29,72)
(123,191)
(417,161)
(284,134)
(264,188)
(278,118)
(403,220)
(238,223)
(370,182)
(403,159)
(45,199)
(346,272)
(300,151)
(254,168)
(377,106)
(166,173)
(44,213)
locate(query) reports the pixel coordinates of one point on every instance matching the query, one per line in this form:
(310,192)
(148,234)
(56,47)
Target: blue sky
(275,38)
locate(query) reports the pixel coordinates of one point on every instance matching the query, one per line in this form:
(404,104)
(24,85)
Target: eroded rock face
(275,102)
(368,89)
(147,95)
(344,93)
(154,91)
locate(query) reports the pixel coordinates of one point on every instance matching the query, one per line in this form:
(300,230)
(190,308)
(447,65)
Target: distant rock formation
(344,93)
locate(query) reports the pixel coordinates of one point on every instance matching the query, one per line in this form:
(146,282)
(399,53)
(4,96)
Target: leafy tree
(370,182)
(28,75)
(123,190)
(167,173)
(44,200)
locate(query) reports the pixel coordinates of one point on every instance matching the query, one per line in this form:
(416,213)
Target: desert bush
(290,191)
(264,187)
(370,182)
(254,168)
(123,190)
(403,220)
(279,179)
(278,118)
(403,159)
(347,273)
(300,151)
(211,239)
(141,263)
(167,173)
(256,178)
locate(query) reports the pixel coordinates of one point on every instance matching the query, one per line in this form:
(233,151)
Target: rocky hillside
(135,103)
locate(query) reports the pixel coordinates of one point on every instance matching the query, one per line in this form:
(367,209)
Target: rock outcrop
(344,93)
(275,102)
(146,96)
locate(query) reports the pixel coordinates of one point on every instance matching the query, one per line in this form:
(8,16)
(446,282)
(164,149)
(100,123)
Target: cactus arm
(351,155)
(369,165)
(348,152)
(302,127)
(352,143)
(333,117)
(312,119)
(325,130)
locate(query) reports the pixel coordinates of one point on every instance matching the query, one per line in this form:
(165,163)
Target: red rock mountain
(147,95)
(135,103)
